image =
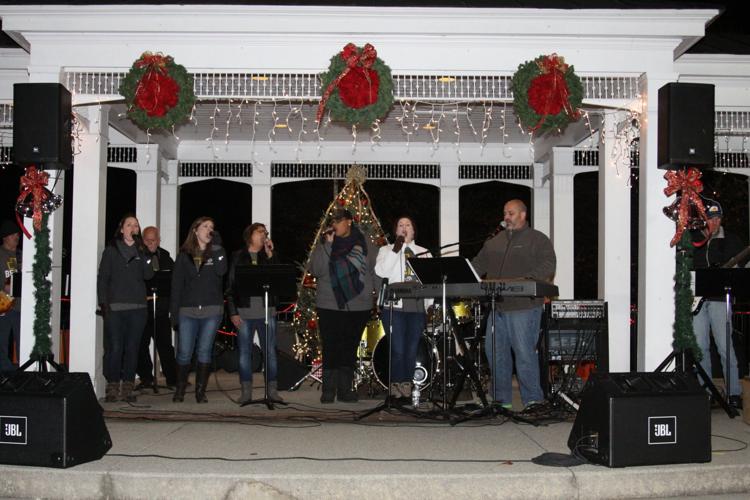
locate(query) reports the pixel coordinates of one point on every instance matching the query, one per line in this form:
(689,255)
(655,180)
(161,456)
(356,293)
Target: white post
(449,220)
(541,200)
(147,185)
(614,243)
(562,219)
(170,208)
(656,259)
(89,207)
(261,185)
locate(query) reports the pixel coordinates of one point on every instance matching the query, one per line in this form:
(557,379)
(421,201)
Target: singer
(408,314)
(121,292)
(247,314)
(343,265)
(517,252)
(197,304)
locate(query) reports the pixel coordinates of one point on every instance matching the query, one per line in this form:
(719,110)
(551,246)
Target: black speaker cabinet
(291,371)
(642,419)
(50,420)
(686,125)
(42,125)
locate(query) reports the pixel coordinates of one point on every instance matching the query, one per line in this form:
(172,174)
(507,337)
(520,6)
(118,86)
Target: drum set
(442,355)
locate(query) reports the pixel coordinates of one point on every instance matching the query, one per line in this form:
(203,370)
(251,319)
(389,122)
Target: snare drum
(372,333)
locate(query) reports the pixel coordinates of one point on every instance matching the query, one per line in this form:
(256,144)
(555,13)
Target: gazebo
(452,124)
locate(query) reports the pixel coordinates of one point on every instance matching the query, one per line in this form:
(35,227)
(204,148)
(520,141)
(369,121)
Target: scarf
(347,259)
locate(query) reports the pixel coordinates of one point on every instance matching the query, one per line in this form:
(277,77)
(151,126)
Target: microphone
(329,231)
(503,224)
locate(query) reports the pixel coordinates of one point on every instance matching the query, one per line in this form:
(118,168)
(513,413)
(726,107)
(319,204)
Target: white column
(43,74)
(147,205)
(170,208)
(261,206)
(541,200)
(561,232)
(614,243)
(656,259)
(449,225)
(89,207)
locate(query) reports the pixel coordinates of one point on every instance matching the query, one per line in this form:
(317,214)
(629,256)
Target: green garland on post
(40,270)
(684,336)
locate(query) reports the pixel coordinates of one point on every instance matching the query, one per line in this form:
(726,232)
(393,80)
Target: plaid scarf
(346,264)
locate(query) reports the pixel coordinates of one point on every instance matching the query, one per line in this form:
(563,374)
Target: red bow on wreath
(33,183)
(157,92)
(548,93)
(689,184)
(362,90)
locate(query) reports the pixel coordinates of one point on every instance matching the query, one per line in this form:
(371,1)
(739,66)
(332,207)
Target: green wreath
(158,92)
(546,83)
(335,81)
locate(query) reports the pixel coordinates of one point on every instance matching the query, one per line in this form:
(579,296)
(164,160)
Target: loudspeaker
(42,125)
(686,125)
(642,419)
(50,420)
(291,371)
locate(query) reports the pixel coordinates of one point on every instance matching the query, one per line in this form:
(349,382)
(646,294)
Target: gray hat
(8,227)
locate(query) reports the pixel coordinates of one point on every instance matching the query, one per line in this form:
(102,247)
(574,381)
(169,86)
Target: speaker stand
(685,362)
(42,360)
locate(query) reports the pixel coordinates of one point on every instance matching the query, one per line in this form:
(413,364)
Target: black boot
(201,381)
(181,385)
(329,385)
(344,387)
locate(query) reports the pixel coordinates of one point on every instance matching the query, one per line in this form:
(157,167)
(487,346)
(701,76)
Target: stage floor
(308,450)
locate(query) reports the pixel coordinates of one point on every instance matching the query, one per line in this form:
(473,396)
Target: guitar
(697,300)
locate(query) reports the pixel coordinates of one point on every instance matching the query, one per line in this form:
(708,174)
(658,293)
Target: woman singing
(248,313)
(408,314)
(342,264)
(197,303)
(121,291)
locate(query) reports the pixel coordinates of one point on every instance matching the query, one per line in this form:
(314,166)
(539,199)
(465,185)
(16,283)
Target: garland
(547,94)
(358,86)
(158,92)
(40,270)
(684,336)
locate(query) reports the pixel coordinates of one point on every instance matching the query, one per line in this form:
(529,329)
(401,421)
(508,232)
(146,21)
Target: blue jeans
(196,334)
(122,338)
(245,335)
(713,318)
(407,330)
(10,322)
(517,331)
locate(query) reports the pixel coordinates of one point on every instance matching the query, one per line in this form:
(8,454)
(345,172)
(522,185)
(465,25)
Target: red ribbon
(688,182)
(148,94)
(33,183)
(154,62)
(353,58)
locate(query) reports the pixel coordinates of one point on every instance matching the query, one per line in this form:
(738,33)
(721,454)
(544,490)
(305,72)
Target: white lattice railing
(728,122)
(6,115)
(305,86)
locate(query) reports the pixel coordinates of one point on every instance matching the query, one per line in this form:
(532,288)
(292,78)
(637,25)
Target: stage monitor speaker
(50,420)
(42,125)
(642,419)
(686,125)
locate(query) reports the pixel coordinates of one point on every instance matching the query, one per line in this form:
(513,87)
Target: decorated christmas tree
(354,198)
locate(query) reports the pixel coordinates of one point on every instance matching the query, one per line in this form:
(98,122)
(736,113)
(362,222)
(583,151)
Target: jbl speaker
(42,125)
(291,371)
(686,125)
(50,420)
(642,419)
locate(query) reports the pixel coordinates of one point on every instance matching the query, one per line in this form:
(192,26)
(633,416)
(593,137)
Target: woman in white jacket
(408,314)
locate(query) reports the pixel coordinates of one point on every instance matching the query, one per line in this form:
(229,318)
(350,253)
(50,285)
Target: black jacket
(242,258)
(121,280)
(193,287)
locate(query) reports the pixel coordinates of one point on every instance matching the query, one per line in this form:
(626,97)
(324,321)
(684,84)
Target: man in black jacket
(714,247)
(248,313)
(158,328)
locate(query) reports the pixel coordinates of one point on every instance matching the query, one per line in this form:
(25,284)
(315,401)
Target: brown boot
(273,392)
(112,392)
(126,391)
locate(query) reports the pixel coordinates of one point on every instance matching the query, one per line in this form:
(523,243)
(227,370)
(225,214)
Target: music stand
(262,281)
(731,283)
(160,286)
(443,271)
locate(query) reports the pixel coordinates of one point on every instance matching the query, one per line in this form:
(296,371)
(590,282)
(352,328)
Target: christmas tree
(354,198)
